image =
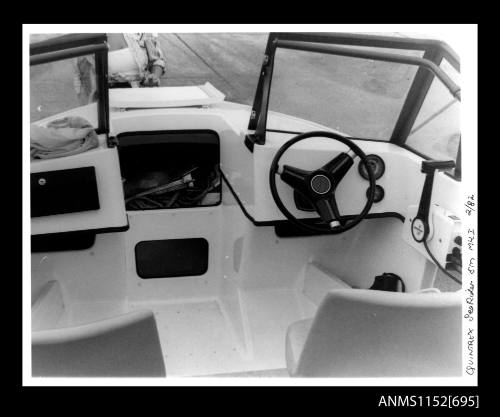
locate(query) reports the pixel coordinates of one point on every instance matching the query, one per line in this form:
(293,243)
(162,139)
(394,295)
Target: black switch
(456,252)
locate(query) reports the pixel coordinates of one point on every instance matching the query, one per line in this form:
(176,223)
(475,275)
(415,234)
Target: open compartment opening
(170,169)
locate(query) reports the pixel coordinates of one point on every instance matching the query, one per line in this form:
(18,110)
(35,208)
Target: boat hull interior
(231,316)
(178,234)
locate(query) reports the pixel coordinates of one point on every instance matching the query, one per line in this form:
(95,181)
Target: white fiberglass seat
(124,345)
(369,333)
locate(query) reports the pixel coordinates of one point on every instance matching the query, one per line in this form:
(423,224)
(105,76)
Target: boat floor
(198,336)
(201,337)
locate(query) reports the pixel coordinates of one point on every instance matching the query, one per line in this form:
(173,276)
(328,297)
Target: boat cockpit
(195,236)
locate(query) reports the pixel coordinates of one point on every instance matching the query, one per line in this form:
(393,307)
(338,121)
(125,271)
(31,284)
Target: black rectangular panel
(66,241)
(64,191)
(171,258)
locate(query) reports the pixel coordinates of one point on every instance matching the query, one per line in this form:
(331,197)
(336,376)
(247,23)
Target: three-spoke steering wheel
(319,186)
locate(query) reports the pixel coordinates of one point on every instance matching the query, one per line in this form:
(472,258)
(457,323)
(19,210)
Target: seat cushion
(295,338)
(369,333)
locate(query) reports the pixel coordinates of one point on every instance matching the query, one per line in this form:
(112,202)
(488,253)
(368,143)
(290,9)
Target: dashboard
(396,170)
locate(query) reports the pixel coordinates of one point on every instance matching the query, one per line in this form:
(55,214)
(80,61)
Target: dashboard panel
(398,172)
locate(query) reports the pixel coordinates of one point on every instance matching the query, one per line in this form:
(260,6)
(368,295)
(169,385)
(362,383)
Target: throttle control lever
(420,224)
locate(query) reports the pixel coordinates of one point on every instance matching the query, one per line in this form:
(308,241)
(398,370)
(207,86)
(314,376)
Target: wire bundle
(185,191)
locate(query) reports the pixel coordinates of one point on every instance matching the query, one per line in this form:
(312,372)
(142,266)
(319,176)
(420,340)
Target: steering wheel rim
(273,171)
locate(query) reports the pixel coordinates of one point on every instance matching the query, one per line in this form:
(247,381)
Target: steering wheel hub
(321,184)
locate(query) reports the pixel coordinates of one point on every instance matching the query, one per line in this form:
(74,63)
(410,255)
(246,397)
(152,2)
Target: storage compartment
(170,169)
(63,191)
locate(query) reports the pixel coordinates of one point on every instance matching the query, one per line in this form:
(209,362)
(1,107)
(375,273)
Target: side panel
(111,207)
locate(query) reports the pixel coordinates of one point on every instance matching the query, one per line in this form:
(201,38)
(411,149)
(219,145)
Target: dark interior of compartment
(169,169)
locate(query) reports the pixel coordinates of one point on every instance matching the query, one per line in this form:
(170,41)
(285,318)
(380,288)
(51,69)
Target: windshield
(362,98)
(358,97)
(66,80)
(383,88)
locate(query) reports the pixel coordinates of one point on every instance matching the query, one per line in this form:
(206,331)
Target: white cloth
(62,137)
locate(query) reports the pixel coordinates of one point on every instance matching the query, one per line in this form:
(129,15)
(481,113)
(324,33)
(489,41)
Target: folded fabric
(62,137)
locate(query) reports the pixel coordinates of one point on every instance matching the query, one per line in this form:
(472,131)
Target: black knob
(458,240)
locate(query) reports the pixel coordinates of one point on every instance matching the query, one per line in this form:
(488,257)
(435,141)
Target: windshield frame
(434,51)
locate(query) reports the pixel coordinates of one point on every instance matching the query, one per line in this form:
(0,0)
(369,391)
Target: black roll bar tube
(101,64)
(377,41)
(71,40)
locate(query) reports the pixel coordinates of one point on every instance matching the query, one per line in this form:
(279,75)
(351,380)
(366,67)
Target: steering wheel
(319,186)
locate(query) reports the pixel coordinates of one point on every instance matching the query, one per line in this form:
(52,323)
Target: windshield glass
(63,87)
(55,89)
(436,131)
(359,97)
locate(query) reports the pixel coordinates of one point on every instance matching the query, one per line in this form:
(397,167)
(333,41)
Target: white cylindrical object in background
(121,61)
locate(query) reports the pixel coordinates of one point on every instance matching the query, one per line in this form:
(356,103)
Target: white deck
(198,338)
(233,319)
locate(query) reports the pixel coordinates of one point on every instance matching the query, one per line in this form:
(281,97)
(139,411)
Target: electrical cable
(438,264)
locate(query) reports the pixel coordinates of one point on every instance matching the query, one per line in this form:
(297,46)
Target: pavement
(230,62)
(303,82)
